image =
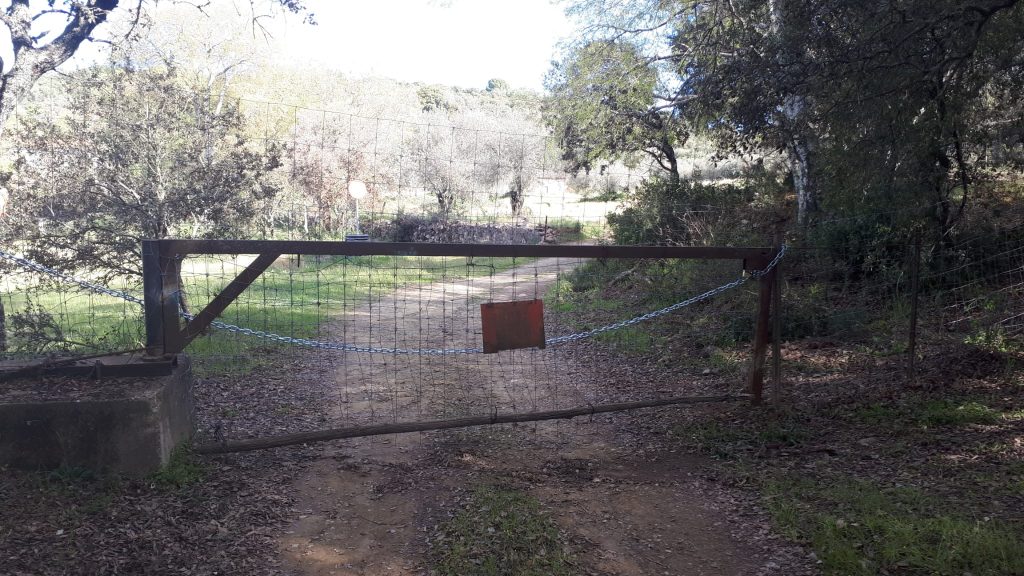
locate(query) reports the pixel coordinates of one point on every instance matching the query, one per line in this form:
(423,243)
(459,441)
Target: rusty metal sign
(512,325)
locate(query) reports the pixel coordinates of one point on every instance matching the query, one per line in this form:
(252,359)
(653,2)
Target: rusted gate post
(777,325)
(152,295)
(755,375)
(915,288)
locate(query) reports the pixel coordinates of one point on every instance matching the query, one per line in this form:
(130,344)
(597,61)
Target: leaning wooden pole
(402,427)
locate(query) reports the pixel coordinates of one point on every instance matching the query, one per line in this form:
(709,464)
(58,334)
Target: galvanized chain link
(669,309)
(30,265)
(321,345)
(771,265)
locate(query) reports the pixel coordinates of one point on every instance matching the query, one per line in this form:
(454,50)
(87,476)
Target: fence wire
(846,280)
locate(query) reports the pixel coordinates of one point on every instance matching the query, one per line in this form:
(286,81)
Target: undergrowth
(500,532)
(182,470)
(864,528)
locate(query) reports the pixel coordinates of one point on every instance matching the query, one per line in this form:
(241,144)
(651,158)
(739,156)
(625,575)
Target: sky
(455,42)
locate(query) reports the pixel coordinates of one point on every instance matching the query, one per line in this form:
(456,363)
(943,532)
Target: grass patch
(293,298)
(875,415)
(570,230)
(631,340)
(949,413)
(181,471)
(500,532)
(83,491)
(860,528)
(928,413)
(729,441)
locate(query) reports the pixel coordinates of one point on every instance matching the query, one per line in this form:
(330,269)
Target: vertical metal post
(152,293)
(170,304)
(915,288)
(755,377)
(777,326)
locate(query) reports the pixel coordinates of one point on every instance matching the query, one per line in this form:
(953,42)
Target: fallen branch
(403,427)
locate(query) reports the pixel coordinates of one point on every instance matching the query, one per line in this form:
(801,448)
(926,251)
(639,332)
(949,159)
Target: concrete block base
(124,425)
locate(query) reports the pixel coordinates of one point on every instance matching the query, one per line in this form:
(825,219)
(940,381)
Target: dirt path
(368,506)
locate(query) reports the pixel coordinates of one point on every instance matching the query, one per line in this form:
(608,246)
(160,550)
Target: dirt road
(368,506)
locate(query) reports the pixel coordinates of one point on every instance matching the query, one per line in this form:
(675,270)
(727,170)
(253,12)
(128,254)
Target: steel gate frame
(167,335)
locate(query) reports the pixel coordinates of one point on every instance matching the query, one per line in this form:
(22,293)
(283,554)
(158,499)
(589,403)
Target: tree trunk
(803,183)
(673,162)
(3,328)
(794,123)
(32,61)
(15,85)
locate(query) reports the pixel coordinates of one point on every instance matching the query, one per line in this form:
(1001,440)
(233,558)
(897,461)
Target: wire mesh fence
(402,334)
(848,280)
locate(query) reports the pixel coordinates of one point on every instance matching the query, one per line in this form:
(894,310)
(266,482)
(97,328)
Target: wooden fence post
(755,377)
(152,293)
(915,288)
(777,325)
(170,300)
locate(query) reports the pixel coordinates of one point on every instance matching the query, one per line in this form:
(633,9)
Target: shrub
(693,213)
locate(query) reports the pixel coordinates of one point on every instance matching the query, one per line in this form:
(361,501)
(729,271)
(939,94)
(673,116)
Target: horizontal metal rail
(755,256)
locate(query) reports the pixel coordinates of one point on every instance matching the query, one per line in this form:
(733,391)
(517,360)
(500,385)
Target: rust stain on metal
(512,325)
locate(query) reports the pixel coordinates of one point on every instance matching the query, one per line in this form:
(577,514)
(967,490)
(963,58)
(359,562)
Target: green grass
(572,230)
(927,413)
(730,441)
(861,528)
(559,297)
(950,413)
(289,299)
(84,491)
(181,471)
(876,415)
(631,340)
(81,322)
(500,532)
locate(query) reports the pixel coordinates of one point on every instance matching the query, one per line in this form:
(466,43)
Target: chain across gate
(166,334)
(164,314)
(323,345)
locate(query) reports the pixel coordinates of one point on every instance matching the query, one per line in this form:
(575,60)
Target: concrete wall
(133,435)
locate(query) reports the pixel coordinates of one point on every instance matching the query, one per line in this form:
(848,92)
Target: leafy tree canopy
(605,104)
(133,157)
(44,35)
(886,101)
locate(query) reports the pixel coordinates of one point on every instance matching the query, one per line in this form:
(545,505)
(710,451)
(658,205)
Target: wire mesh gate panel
(397,326)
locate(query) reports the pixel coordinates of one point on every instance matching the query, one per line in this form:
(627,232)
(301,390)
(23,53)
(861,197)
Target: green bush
(806,320)
(691,213)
